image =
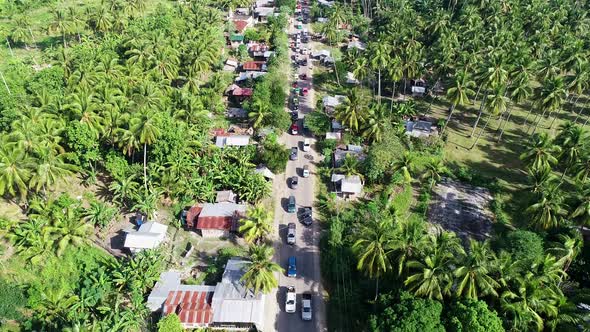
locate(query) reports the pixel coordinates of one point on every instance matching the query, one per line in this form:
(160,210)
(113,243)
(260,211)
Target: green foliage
(524,245)
(82,141)
(472,316)
(170,323)
(12,300)
(274,155)
(318,123)
(49,80)
(408,314)
(381,155)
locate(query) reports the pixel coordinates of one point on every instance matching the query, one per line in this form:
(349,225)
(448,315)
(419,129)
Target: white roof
(350,79)
(264,11)
(336,136)
(320,53)
(322,19)
(326,3)
(148,236)
(232,63)
(334,101)
(153,227)
(233,140)
(222,209)
(348,184)
(357,44)
(249,74)
(267,173)
(418,89)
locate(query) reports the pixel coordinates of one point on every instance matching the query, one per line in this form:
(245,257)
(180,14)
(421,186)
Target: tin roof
(220,215)
(254,65)
(240,25)
(192,307)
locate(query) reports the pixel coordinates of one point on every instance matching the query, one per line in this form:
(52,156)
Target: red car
(294,84)
(304,92)
(294,129)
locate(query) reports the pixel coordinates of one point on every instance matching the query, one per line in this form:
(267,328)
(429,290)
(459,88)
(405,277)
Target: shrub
(524,245)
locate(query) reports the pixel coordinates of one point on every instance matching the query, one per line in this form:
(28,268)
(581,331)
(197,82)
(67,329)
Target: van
(291,207)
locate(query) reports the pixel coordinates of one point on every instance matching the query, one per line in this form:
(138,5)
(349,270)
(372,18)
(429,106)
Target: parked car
(294,131)
(306,145)
(291,233)
(304,91)
(303,76)
(292,268)
(294,84)
(306,306)
(293,155)
(292,204)
(305,171)
(291,301)
(305,215)
(295,115)
(294,182)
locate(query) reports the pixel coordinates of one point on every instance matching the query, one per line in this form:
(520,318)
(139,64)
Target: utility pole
(6,85)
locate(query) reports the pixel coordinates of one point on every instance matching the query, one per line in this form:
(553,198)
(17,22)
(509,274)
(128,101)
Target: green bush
(524,245)
(472,316)
(12,300)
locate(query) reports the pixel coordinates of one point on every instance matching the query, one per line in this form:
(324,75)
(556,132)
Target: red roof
(242,92)
(215,223)
(253,65)
(240,25)
(192,307)
(258,47)
(192,214)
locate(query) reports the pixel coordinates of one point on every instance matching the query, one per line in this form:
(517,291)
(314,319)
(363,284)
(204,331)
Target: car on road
(304,91)
(305,171)
(295,115)
(306,144)
(291,204)
(292,267)
(294,152)
(305,215)
(294,131)
(306,306)
(291,228)
(294,182)
(303,76)
(291,301)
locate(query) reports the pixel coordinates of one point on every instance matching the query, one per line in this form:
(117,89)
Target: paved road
(306,249)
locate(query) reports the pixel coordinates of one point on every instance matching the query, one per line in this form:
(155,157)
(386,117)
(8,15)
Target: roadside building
(149,236)
(254,66)
(232,140)
(420,128)
(340,153)
(264,171)
(236,113)
(227,305)
(243,76)
(226,196)
(331,102)
(215,219)
(346,186)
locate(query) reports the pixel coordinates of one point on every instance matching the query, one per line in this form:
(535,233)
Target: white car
(306,306)
(291,302)
(306,144)
(291,233)
(305,171)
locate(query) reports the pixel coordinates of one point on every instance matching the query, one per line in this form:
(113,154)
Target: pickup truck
(306,306)
(291,302)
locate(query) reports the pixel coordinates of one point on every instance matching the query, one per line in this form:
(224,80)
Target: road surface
(306,250)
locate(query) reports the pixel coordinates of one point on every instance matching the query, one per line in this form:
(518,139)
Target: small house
(341,152)
(149,236)
(420,128)
(335,136)
(418,87)
(215,219)
(261,14)
(254,66)
(243,76)
(230,65)
(241,94)
(235,40)
(346,186)
(227,196)
(321,54)
(331,102)
(224,140)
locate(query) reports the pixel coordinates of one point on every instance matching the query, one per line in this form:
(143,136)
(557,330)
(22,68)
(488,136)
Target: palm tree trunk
(448,119)
(538,122)
(505,122)
(478,115)
(392,98)
(585,122)
(145,165)
(379,92)
(476,94)
(581,110)
(552,121)
(481,132)
(376,288)
(527,116)
(405,87)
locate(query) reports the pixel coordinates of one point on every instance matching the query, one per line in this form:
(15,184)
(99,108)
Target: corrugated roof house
(249,75)
(348,186)
(148,236)
(232,140)
(254,66)
(215,219)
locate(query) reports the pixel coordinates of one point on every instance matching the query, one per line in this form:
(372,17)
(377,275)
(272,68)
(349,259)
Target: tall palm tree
(21,31)
(573,143)
(405,165)
(459,93)
(539,179)
(474,272)
(259,111)
(549,210)
(373,249)
(15,169)
(124,189)
(581,213)
(257,225)
(551,96)
(567,249)
(144,128)
(540,152)
(376,122)
(434,170)
(60,24)
(51,166)
(496,103)
(408,242)
(431,276)
(379,55)
(353,109)
(259,275)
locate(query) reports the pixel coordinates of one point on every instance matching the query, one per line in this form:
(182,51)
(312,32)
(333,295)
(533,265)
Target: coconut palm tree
(68,229)
(376,122)
(473,275)
(21,31)
(582,211)
(540,178)
(259,275)
(582,167)
(551,96)
(495,104)
(259,112)
(144,128)
(379,55)
(15,169)
(60,24)
(573,143)
(459,93)
(350,166)
(540,152)
(567,249)
(430,276)
(434,170)
(548,211)
(124,189)
(373,249)
(51,166)
(405,165)
(257,225)
(353,109)
(408,242)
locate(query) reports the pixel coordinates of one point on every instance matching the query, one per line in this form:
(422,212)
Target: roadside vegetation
(509,108)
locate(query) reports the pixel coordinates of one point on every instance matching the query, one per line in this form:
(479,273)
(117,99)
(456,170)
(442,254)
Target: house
(341,152)
(236,113)
(149,236)
(333,135)
(263,3)
(228,305)
(359,45)
(350,79)
(226,196)
(240,94)
(254,66)
(264,171)
(331,102)
(347,186)
(230,65)
(215,219)
(322,20)
(243,76)
(235,40)
(320,54)
(420,128)
(224,140)
(418,87)
(257,49)
(261,14)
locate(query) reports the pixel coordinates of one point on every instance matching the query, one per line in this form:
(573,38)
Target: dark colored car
(292,269)
(295,115)
(292,204)
(294,182)
(305,215)
(293,153)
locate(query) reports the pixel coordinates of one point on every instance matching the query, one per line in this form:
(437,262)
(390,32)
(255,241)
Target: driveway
(306,250)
